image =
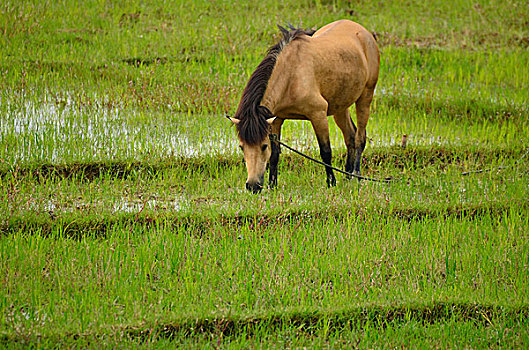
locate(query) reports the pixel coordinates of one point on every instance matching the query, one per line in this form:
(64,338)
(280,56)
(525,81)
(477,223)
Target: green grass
(243,270)
(426,181)
(123,218)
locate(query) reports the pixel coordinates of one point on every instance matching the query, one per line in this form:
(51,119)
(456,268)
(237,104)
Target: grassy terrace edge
(399,157)
(77,226)
(305,322)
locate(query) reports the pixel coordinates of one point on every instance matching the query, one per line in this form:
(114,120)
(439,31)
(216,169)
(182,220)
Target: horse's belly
(343,80)
(344,92)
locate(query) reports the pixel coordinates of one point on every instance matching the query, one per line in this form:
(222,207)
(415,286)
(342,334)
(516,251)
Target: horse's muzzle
(255,187)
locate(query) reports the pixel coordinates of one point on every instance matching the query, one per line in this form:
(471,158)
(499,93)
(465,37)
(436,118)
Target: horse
(308,75)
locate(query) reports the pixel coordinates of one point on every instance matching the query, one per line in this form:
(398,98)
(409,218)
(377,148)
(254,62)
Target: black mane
(253,127)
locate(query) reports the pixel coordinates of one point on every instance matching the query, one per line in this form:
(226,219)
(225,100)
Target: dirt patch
(147,61)
(464,39)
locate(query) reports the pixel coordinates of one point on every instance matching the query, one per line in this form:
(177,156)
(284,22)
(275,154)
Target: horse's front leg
(326,156)
(321,127)
(274,159)
(275,133)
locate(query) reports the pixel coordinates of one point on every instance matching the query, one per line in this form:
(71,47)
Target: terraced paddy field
(123,215)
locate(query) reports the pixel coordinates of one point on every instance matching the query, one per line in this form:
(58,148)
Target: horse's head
(256,155)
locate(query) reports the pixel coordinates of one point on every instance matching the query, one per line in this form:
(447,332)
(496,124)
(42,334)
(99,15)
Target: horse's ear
(270,120)
(284,31)
(233,120)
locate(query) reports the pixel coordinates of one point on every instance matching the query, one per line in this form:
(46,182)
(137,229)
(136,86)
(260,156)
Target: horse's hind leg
(346,125)
(362,116)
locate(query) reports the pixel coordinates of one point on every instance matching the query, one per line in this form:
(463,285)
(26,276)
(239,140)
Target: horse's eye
(263,147)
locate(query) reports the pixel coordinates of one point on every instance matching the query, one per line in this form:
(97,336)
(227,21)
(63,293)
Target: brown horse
(309,75)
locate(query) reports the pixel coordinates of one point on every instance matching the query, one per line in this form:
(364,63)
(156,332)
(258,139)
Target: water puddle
(135,206)
(20,315)
(123,205)
(46,132)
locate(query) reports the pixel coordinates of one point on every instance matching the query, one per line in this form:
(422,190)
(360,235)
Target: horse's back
(345,32)
(345,61)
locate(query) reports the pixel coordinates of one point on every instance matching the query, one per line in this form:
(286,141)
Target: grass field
(124,221)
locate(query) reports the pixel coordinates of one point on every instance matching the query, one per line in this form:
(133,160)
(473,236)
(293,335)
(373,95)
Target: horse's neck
(276,88)
(278,94)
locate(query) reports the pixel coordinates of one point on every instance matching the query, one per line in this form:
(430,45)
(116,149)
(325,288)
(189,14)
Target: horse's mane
(253,127)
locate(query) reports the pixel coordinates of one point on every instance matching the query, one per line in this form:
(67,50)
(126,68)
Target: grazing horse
(308,75)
